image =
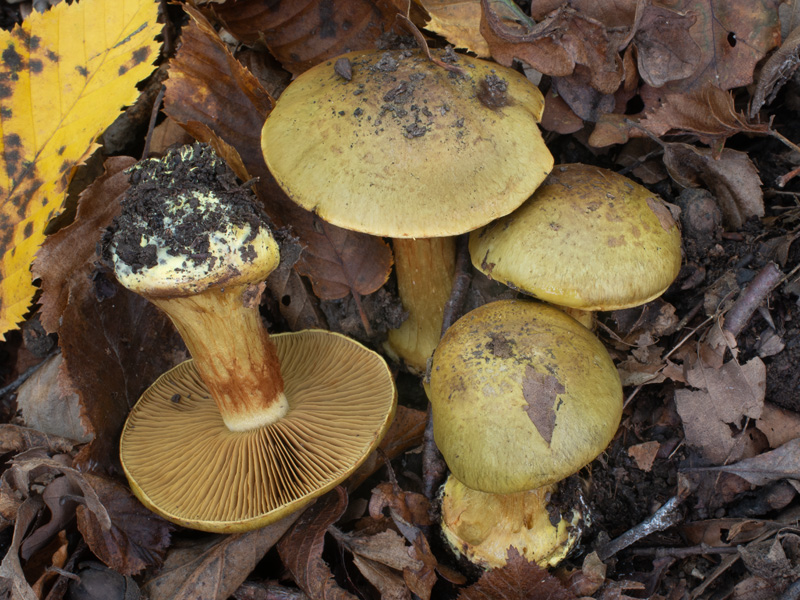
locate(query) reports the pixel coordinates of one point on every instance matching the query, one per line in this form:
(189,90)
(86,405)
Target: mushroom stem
(237,361)
(584,317)
(425,268)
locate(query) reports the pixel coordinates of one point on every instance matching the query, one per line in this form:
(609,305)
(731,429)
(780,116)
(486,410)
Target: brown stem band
(232,352)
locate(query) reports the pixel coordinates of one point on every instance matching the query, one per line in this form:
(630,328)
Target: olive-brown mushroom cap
(183,463)
(405,148)
(588,238)
(522,396)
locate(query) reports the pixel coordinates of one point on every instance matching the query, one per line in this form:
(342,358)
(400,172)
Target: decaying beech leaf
(65,253)
(212,568)
(555,46)
(137,538)
(665,50)
(518,580)
(731,177)
(301,548)
(303,33)
(781,463)
(209,90)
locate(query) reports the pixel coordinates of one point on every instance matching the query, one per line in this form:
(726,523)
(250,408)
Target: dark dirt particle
(344,68)
(492,92)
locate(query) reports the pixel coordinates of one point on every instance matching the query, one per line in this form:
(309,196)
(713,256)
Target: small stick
(14,385)
(751,298)
(152,124)
(664,518)
(683,552)
(461,281)
(433,465)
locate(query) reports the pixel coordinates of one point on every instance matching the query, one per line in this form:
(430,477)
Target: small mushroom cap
(482,527)
(183,463)
(186,225)
(406,148)
(588,238)
(522,396)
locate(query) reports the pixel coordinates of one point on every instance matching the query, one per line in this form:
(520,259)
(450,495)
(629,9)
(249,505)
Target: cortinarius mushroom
(522,396)
(252,428)
(397,146)
(588,239)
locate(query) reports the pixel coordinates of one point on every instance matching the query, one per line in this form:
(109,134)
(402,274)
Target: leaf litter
(697,495)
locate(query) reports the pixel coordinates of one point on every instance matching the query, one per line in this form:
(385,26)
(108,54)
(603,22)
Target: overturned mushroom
(253,427)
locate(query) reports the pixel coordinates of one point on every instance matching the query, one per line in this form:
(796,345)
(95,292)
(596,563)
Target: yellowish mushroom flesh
(482,527)
(425,270)
(588,238)
(522,396)
(186,465)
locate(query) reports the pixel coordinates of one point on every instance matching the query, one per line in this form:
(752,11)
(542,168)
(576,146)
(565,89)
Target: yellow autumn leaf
(64,77)
(459,22)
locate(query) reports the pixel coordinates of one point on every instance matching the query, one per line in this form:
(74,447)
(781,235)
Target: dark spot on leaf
(6,113)
(122,70)
(12,162)
(28,230)
(12,59)
(60,151)
(64,166)
(34,42)
(82,70)
(176,398)
(52,56)
(35,65)
(140,55)
(12,140)
(5,91)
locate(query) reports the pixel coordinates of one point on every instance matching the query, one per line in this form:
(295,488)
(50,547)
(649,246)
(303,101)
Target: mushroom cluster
(253,427)
(395,145)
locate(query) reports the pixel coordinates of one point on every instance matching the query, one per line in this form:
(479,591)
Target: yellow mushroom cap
(183,463)
(588,238)
(405,148)
(522,396)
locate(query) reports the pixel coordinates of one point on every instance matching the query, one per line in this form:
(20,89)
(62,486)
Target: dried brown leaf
(726,397)
(12,577)
(554,46)
(732,35)
(301,548)
(781,463)
(214,567)
(16,439)
(666,51)
(517,580)
(301,34)
(412,507)
(404,433)
(778,424)
(209,90)
(644,454)
(731,177)
(137,538)
(64,254)
(389,583)
(776,71)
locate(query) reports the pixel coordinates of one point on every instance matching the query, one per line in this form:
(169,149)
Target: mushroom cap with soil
(588,238)
(404,148)
(251,429)
(522,397)
(393,144)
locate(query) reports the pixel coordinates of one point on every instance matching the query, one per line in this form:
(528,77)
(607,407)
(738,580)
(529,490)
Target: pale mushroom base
(482,527)
(185,465)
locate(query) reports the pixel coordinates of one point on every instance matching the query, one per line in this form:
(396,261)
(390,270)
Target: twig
(751,298)
(409,25)
(152,124)
(461,281)
(14,385)
(664,518)
(683,552)
(433,465)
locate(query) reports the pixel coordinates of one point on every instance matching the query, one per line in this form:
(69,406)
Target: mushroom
(253,427)
(523,396)
(587,239)
(395,145)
